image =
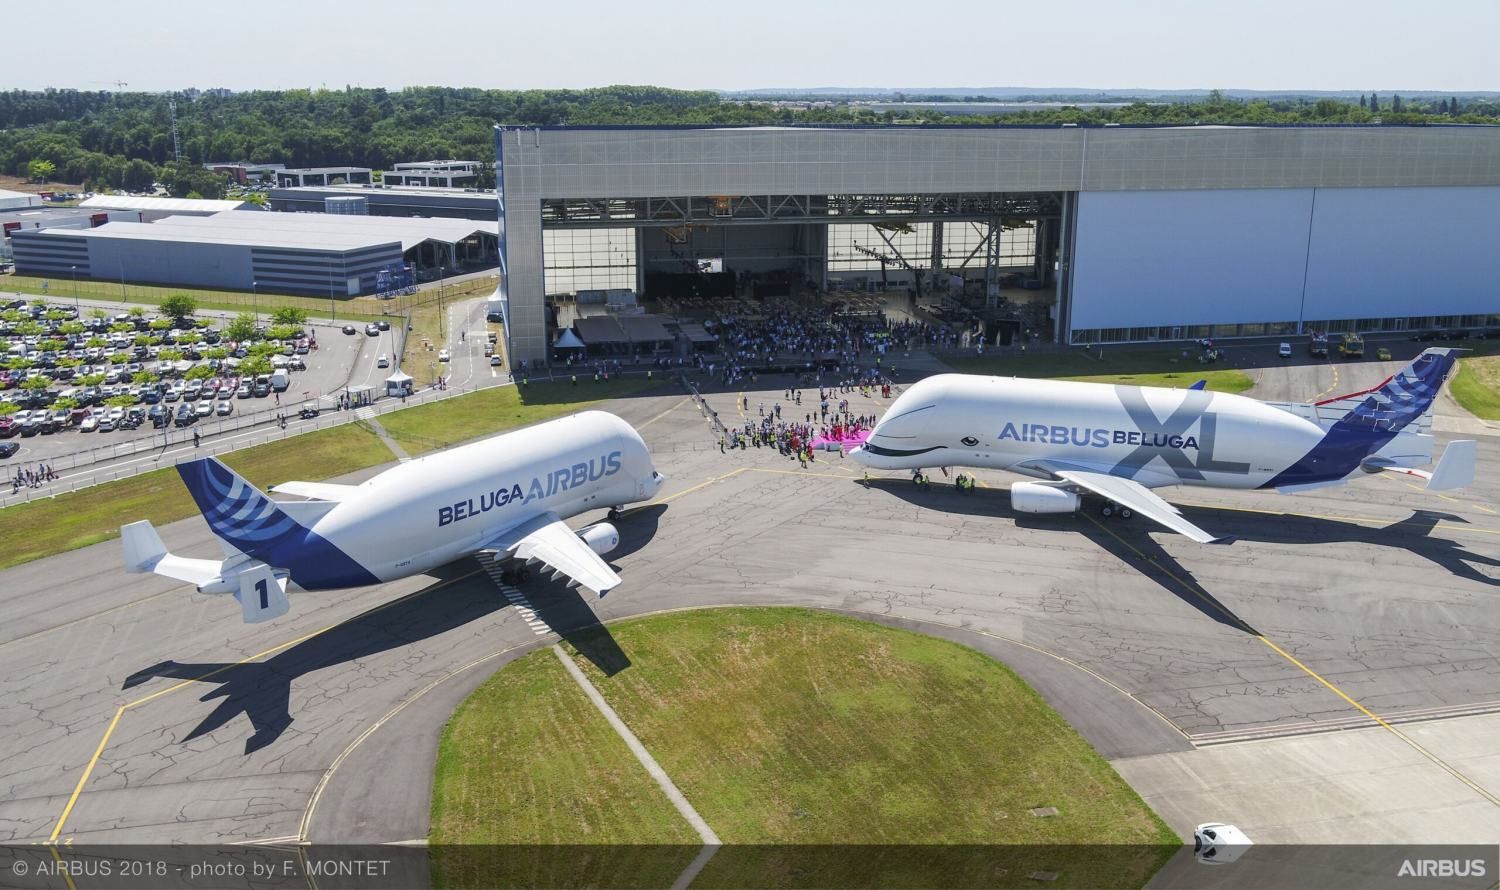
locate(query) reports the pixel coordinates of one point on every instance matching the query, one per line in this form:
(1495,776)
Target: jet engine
(1041,497)
(601,537)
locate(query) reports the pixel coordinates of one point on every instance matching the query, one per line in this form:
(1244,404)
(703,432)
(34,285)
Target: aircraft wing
(1132,494)
(547,539)
(323,491)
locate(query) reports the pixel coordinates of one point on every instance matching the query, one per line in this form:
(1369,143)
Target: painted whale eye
(969,441)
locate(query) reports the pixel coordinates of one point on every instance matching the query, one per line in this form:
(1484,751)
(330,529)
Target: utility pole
(176,151)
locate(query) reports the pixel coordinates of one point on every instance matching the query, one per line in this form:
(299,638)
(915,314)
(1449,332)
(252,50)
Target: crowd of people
(795,434)
(31,477)
(817,334)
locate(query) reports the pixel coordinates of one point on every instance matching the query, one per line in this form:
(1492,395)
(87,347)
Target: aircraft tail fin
(236,511)
(1402,398)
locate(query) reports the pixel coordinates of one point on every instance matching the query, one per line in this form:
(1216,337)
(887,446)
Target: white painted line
(640,752)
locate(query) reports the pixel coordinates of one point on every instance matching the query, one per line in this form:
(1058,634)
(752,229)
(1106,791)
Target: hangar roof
(174,205)
(311,231)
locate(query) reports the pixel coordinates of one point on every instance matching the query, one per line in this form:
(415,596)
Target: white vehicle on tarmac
(1218,843)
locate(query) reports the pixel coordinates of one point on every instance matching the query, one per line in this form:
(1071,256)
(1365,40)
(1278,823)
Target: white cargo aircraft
(1120,442)
(504,498)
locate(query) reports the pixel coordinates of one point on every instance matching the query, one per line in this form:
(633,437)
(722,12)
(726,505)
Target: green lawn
(1477,386)
(791,726)
(424,428)
(49,526)
(528,759)
(62,291)
(1136,367)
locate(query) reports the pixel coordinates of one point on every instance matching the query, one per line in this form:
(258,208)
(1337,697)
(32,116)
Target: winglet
(1456,467)
(1201,384)
(143,548)
(1227,539)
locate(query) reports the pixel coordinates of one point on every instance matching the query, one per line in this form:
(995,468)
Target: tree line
(111,140)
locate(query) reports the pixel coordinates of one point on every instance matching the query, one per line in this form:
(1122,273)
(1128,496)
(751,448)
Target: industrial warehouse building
(151,209)
(316,254)
(1125,233)
(460,203)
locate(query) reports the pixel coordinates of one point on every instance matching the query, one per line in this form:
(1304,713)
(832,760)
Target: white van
(280,381)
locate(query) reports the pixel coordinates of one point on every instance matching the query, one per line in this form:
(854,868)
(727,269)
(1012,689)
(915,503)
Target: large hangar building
(1133,233)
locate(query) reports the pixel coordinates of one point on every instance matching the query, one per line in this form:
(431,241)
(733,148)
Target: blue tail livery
(1384,412)
(245,518)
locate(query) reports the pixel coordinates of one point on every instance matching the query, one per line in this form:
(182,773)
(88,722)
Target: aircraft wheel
(917,479)
(1107,510)
(1126,513)
(614,513)
(523,575)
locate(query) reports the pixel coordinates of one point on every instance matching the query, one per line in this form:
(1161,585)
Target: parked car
(443,355)
(1217,843)
(225,409)
(204,408)
(245,391)
(8,448)
(1383,354)
(89,424)
(185,415)
(1284,350)
(383,325)
(372,330)
(495,361)
(349,329)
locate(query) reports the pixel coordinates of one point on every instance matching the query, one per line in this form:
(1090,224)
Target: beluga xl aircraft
(504,498)
(1120,442)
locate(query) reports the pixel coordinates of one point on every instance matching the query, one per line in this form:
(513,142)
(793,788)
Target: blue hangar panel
(1396,252)
(1220,256)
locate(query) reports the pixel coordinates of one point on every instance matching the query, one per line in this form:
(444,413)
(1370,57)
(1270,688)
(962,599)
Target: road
(135,710)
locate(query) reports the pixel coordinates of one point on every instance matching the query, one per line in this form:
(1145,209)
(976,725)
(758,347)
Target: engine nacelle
(1039,497)
(601,537)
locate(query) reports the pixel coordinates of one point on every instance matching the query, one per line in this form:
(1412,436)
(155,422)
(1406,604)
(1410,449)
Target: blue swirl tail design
(1383,413)
(244,517)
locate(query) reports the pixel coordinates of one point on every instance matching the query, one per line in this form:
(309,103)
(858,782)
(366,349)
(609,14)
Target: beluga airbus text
(503,498)
(1119,442)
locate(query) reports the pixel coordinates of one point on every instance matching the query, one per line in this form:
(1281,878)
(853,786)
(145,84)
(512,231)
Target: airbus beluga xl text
(1120,442)
(503,498)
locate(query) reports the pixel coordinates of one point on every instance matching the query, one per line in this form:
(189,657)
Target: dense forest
(124,140)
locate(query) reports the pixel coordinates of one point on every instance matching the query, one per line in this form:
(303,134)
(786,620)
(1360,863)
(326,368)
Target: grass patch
(417,359)
(49,526)
(436,425)
(62,291)
(1476,386)
(1130,366)
(791,726)
(528,759)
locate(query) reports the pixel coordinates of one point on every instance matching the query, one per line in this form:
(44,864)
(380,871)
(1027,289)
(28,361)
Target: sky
(153,45)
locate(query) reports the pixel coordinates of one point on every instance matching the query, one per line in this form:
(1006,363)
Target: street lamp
(442,332)
(255,300)
(76,304)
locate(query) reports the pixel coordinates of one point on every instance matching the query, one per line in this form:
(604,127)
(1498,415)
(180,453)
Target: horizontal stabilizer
(323,491)
(144,552)
(1456,468)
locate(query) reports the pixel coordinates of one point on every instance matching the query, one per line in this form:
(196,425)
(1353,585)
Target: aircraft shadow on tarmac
(261,690)
(1129,541)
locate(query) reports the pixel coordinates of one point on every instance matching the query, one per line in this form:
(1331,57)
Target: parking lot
(97,382)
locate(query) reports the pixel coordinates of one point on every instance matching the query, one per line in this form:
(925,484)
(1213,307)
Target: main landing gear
(515,576)
(615,513)
(1110,508)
